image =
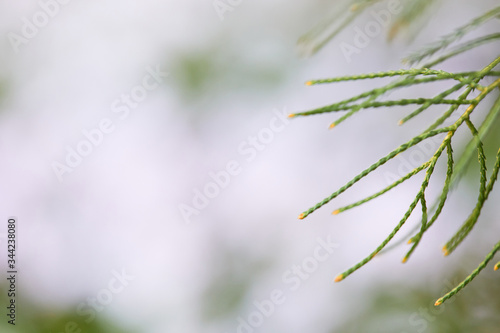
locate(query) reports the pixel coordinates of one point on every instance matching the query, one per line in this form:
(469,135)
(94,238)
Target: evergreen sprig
(326,30)
(471,88)
(469,278)
(454,36)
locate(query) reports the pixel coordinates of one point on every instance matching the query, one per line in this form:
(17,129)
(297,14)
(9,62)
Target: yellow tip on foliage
(401,122)
(445,251)
(309,83)
(301,216)
(332,125)
(393,31)
(354,7)
(291,115)
(438,302)
(335,212)
(410,241)
(339,278)
(405,259)
(497,266)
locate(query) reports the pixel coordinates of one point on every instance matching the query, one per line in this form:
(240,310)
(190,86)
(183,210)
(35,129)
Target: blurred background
(157,181)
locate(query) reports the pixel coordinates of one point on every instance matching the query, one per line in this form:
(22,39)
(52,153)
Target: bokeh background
(119,211)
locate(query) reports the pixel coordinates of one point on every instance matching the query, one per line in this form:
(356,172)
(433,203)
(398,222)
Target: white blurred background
(119,209)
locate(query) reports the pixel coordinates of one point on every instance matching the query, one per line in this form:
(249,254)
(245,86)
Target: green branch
(471,88)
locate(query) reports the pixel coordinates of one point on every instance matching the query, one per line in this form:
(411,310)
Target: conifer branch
(471,88)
